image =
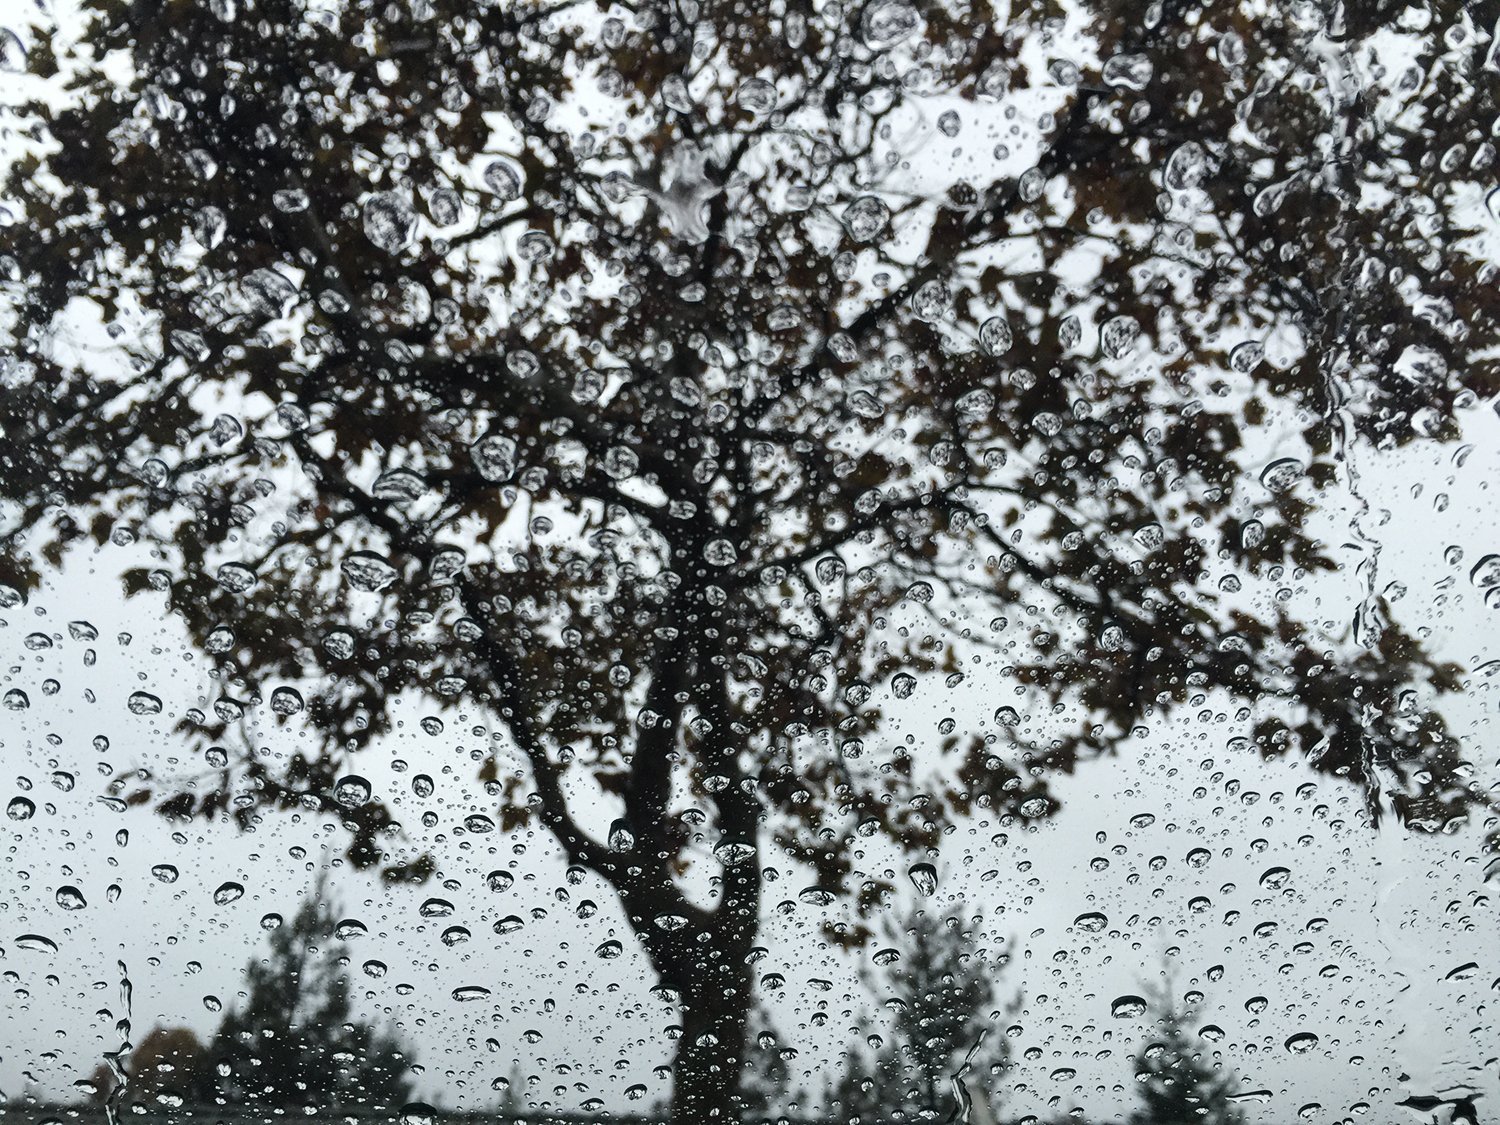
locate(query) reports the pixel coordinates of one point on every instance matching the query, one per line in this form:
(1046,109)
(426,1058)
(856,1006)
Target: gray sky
(1375,981)
(1402,912)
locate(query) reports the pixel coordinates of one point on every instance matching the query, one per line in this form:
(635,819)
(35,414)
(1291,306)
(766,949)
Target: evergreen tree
(942,988)
(939,987)
(1178,1084)
(295,1041)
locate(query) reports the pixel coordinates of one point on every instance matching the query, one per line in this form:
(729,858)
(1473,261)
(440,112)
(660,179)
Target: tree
(1177,1085)
(940,989)
(614,373)
(163,1067)
(766,1078)
(295,1040)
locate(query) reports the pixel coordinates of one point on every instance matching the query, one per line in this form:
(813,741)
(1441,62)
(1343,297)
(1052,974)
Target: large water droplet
(351,791)
(924,877)
(143,703)
(1302,1042)
(888,22)
(389,221)
(70,898)
(365,570)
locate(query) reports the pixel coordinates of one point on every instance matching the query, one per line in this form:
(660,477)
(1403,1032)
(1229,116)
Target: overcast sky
(1362,943)
(1376,981)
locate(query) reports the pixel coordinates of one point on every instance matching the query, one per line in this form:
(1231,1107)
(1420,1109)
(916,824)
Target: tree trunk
(706,1072)
(715,981)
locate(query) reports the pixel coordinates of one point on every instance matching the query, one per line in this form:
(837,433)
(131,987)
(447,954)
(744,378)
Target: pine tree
(1178,1084)
(943,989)
(296,1041)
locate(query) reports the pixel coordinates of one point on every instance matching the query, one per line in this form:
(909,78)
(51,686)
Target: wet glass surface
(884,562)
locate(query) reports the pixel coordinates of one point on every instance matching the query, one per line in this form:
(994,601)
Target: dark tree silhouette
(650,377)
(294,1041)
(766,1089)
(1177,1084)
(944,993)
(165,1066)
(941,989)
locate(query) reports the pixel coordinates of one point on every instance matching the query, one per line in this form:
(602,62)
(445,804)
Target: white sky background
(1403,911)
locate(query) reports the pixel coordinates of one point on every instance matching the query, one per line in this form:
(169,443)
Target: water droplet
(494,456)
(351,791)
(1186,167)
(435,908)
(924,877)
(349,928)
(470,992)
(368,571)
(1275,877)
(1127,1007)
(621,838)
(70,898)
(609,949)
(389,221)
(1302,1042)
(866,218)
(1246,357)
(399,486)
(888,22)
(20,808)
(1128,72)
(229,892)
(1281,474)
(1091,923)
(732,852)
(286,701)
(817,896)
(36,943)
(143,703)
(213,1003)
(1117,339)
(995,336)
(499,880)
(1486,572)
(504,178)
(12,52)
(164,873)
(756,95)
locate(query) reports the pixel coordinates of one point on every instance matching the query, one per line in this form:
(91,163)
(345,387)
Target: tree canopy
(1177,1085)
(677,385)
(292,1040)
